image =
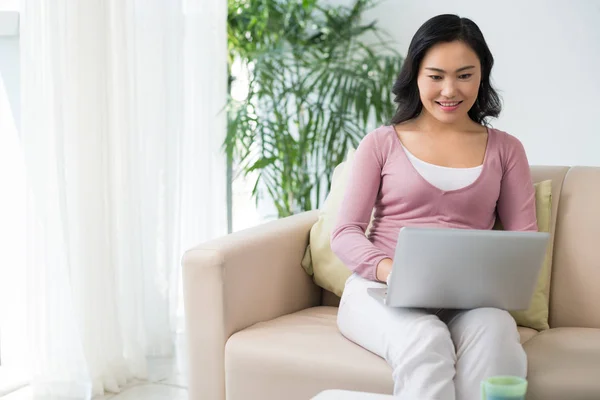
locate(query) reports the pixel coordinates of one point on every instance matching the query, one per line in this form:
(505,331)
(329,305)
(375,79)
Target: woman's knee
(488,337)
(489,334)
(487,322)
(494,317)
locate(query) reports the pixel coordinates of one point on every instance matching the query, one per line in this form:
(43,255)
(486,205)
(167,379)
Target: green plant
(319,79)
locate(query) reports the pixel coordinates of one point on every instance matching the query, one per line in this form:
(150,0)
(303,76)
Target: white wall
(547,67)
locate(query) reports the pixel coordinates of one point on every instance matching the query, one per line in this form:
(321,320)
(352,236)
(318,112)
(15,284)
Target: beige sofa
(258,328)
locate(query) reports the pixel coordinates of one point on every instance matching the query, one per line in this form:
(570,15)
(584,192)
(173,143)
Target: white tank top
(444,178)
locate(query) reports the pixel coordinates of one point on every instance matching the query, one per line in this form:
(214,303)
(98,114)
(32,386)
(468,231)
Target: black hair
(440,29)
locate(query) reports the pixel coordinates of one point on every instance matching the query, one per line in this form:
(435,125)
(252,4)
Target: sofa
(259,328)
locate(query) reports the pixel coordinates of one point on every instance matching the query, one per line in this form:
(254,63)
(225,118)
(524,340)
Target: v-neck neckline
(484,165)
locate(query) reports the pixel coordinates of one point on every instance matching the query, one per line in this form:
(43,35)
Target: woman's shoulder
(509,147)
(378,143)
(505,140)
(384,132)
(381,138)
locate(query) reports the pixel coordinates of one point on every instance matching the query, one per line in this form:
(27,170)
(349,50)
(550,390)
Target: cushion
(330,273)
(299,355)
(564,363)
(536,316)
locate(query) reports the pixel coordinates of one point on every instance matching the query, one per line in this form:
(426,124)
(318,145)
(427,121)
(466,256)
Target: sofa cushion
(526,333)
(536,316)
(319,261)
(574,294)
(299,355)
(564,363)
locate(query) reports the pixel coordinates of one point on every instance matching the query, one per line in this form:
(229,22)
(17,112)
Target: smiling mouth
(449,103)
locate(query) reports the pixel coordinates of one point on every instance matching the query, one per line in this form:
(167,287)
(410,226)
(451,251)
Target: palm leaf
(316,86)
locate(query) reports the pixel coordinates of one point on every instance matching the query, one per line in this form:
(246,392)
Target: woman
(437,165)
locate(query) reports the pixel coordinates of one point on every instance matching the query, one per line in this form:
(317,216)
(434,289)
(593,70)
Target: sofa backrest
(575,281)
(575,232)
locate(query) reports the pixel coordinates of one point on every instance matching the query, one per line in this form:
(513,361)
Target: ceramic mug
(503,388)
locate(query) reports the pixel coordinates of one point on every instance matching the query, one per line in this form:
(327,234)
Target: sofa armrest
(236,281)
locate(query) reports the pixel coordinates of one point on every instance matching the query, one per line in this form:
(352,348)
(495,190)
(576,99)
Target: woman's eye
(435,77)
(465,76)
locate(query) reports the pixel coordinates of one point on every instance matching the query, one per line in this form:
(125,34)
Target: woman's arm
(516,202)
(348,240)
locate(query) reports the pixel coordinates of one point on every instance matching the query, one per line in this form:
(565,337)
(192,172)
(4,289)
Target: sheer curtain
(12,250)
(122,130)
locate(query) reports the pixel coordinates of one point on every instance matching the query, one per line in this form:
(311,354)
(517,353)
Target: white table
(350,395)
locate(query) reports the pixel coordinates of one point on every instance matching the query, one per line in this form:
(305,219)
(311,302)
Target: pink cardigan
(384,179)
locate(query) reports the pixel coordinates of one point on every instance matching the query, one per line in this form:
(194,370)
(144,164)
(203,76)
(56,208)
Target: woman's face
(448,80)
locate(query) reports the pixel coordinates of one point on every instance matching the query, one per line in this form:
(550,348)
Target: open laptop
(464,269)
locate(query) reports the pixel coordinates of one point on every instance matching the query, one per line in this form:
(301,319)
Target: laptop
(464,269)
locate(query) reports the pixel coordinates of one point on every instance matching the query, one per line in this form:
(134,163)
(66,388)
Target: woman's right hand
(384,268)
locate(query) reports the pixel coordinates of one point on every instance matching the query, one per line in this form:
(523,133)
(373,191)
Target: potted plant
(318,79)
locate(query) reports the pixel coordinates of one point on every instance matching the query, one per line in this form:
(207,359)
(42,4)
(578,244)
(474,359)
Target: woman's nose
(448,90)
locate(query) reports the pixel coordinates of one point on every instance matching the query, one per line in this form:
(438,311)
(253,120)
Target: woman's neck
(428,123)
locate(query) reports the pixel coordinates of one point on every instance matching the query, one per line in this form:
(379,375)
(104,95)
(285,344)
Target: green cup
(503,388)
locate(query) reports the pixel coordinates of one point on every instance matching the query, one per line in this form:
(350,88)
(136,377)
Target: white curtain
(12,249)
(122,130)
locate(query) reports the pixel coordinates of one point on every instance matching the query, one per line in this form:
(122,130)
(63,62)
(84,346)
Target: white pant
(442,355)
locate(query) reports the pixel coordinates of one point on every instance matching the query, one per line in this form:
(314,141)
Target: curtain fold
(122,130)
